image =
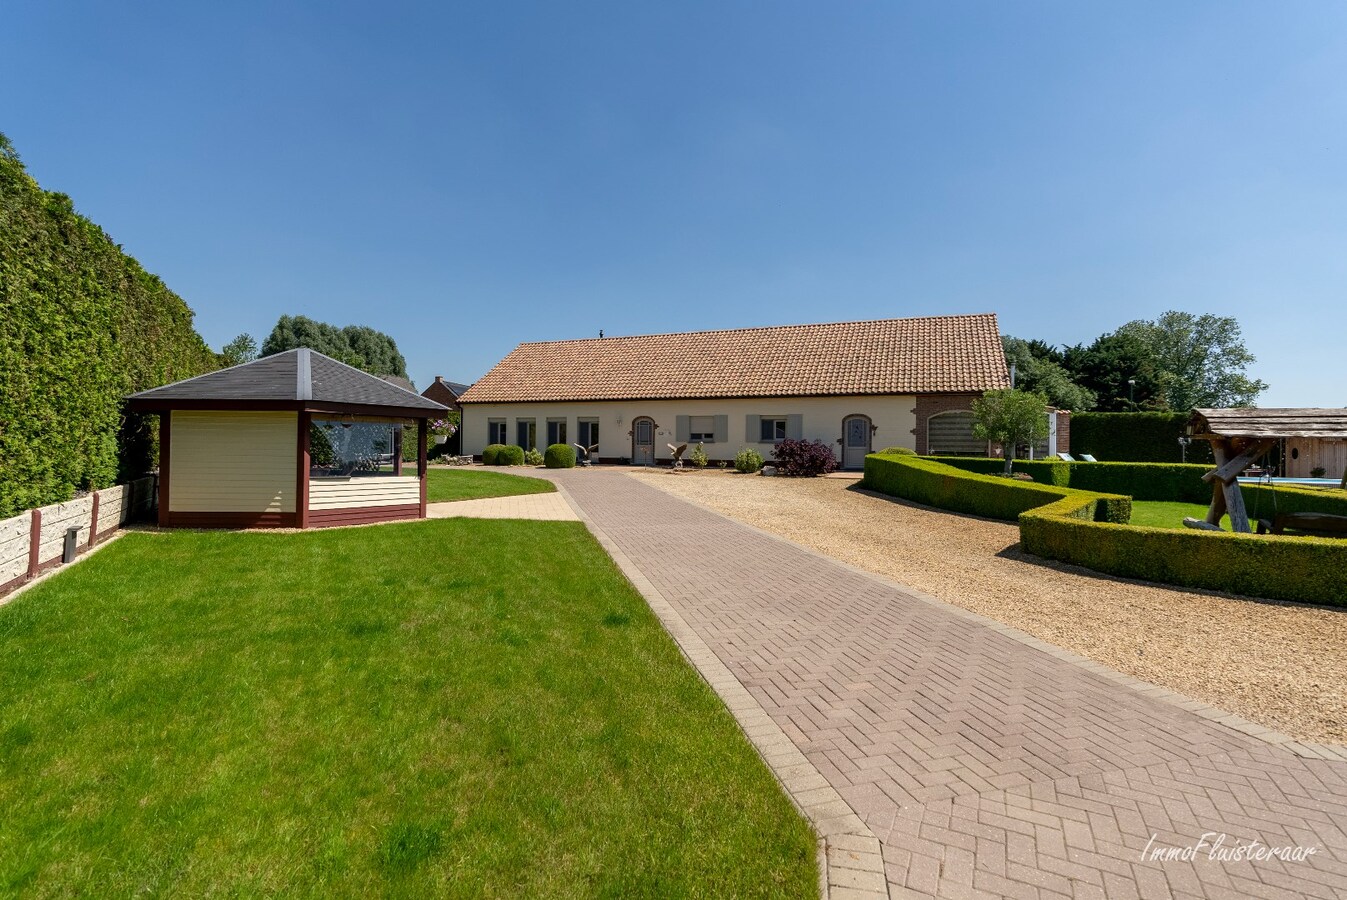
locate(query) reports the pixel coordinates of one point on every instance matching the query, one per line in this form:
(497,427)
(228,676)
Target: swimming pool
(1323,482)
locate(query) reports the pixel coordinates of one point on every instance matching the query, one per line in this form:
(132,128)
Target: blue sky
(468,176)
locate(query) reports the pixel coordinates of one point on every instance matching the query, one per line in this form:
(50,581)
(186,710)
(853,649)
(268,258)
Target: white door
(855,441)
(643,442)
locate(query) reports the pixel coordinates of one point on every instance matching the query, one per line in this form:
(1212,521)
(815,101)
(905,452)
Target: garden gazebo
(1241,437)
(293,440)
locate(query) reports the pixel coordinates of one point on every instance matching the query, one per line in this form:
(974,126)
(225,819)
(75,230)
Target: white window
(527,432)
(556,431)
(495,431)
(702,428)
(773,430)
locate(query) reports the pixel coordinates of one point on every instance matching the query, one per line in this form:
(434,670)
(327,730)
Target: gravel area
(1281,665)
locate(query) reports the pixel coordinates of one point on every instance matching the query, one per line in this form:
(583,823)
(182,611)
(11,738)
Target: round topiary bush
(511,455)
(491,455)
(559,456)
(748,461)
(899,451)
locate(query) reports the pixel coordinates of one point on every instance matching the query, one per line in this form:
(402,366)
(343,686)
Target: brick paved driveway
(984,765)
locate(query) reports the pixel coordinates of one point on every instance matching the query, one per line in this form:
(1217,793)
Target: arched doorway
(856,432)
(643,441)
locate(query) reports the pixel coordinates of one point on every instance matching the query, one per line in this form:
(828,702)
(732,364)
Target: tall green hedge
(81,326)
(1134,437)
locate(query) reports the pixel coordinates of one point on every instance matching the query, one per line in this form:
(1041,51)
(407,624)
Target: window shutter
(795,427)
(682,429)
(722,431)
(753,429)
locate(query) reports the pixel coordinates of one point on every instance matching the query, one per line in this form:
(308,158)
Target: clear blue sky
(468,176)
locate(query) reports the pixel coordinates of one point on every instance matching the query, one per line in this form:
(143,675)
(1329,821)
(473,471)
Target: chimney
(439,379)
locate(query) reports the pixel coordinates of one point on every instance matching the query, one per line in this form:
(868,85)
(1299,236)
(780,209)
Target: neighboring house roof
(295,379)
(939,354)
(399,381)
(1269,423)
(439,384)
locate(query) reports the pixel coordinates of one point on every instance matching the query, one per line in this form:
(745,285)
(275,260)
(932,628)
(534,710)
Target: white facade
(730,425)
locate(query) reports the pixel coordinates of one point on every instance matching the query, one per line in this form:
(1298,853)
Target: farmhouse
(292,440)
(858,386)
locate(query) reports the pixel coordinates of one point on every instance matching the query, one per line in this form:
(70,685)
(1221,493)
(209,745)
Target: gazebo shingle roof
(1270,422)
(293,378)
(939,354)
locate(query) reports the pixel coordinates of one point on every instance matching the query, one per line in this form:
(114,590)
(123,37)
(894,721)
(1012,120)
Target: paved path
(548,507)
(986,763)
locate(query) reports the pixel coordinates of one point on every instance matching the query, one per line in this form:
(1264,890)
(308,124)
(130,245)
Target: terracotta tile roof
(939,354)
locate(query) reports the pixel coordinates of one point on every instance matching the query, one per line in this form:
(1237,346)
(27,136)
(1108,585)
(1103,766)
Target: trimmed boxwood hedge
(1308,570)
(936,484)
(1088,529)
(510,455)
(1140,481)
(491,455)
(559,456)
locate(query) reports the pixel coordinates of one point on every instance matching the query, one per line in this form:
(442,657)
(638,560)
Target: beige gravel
(1281,665)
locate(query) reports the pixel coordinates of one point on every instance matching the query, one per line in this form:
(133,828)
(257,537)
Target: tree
(240,350)
(1011,418)
(1038,369)
(1200,361)
(1106,366)
(356,345)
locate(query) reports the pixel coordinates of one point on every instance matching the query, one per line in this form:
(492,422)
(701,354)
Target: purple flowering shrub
(804,458)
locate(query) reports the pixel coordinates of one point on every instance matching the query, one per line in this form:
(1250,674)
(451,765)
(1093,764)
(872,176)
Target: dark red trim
(93,523)
(228,520)
(318,406)
(421,438)
(34,540)
(363,515)
(302,472)
(12,584)
(165,443)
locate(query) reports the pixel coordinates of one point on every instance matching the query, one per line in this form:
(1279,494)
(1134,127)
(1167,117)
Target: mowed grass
(1164,514)
(441,708)
(443,484)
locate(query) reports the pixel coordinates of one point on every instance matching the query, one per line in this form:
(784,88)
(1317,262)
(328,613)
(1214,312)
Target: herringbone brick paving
(985,766)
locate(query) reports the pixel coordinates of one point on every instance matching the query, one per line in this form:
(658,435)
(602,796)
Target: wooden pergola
(1241,437)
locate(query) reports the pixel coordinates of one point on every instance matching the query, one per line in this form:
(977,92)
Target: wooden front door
(643,441)
(855,441)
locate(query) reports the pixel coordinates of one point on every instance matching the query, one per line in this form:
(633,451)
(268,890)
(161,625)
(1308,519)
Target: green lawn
(442,708)
(1164,514)
(473,484)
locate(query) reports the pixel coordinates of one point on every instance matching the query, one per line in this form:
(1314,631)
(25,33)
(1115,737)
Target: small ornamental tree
(1010,418)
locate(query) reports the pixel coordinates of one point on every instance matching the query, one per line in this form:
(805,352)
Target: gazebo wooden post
(421,433)
(302,471)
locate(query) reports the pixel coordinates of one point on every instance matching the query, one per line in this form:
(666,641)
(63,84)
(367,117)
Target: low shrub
(491,455)
(559,456)
(1310,570)
(748,461)
(510,455)
(532,457)
(697,456)
(804,459)
(898,451)
(995,497)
